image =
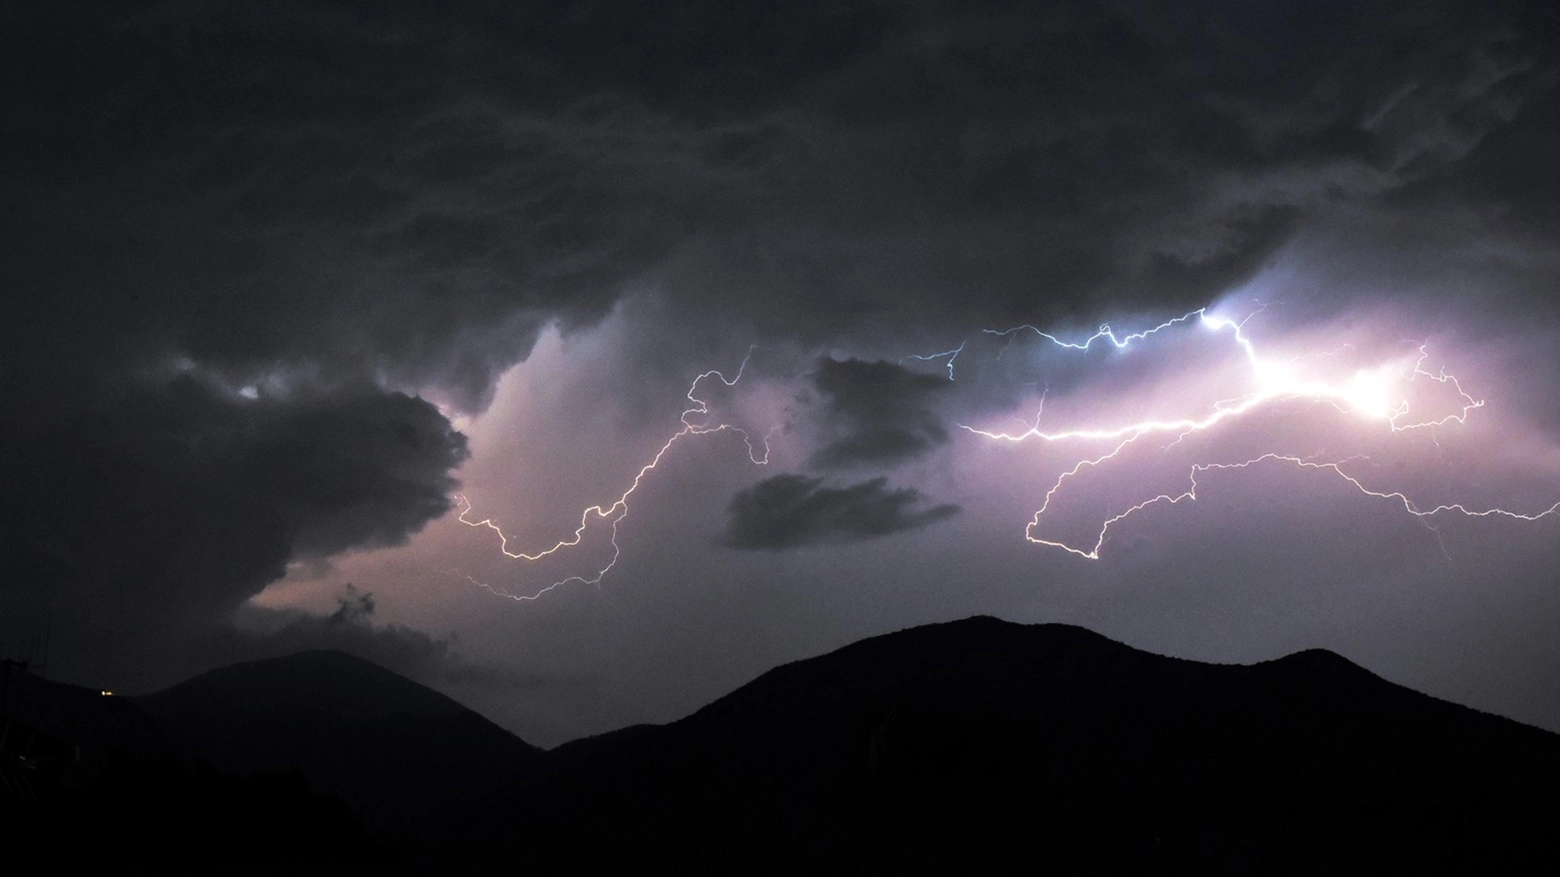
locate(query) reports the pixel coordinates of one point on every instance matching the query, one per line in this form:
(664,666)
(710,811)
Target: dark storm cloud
(407,193)
(876,413)
(173,504)
(1021,164)
(789,511)
(403,194)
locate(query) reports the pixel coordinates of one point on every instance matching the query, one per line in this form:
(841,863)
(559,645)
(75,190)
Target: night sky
(291,293)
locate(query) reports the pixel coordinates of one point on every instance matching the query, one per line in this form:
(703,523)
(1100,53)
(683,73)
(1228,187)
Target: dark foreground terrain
(976,746)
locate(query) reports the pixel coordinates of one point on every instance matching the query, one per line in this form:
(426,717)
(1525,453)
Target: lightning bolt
(933,357)
(1336,468)
(1367,395)
(1105,333)
(1370,394)
(695,420)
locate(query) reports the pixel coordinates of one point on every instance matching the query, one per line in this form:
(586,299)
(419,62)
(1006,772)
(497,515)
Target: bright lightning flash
(1381,394)
(696,420)
(1390,395)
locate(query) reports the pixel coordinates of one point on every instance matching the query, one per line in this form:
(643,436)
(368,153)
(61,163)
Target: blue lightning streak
(933,357)
(615,512)
(1104,332)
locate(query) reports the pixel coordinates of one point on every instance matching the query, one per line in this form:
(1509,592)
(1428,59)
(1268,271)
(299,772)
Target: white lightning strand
(933,357)
(619,508)
(1336,468)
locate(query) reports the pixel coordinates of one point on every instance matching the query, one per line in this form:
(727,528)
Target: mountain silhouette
(90,783)
(981,746)
(88,718)
(975,746)
(409,761)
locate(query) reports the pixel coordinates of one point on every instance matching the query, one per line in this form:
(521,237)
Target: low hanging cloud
(264,633)
(259,633)
(876,413)
(789,511)
(169,505)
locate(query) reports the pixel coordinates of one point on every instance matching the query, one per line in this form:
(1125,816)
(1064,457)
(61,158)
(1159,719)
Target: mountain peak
(395,750)
(318,683)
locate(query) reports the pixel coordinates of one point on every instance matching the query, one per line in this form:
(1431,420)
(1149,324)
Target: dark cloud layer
(172,504)
(235,488)
(789,511)
(876,413)
(411,191)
